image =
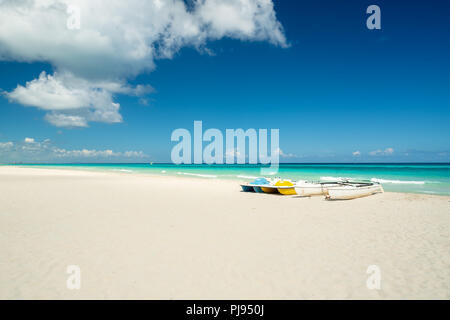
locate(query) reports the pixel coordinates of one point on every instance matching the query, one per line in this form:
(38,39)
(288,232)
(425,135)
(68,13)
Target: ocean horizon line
(225,164)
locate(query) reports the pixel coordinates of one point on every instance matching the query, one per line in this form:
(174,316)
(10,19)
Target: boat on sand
(285,187)
(255,185)
(353,190)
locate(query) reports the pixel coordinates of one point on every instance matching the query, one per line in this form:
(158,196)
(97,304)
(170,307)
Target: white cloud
(31,150)
(86,153)
(63,120)
(136,154)
(117,41)
(72,101)
(285,155)
(50,93)
(242,19)
(379,152)
(6,145)
(356,153)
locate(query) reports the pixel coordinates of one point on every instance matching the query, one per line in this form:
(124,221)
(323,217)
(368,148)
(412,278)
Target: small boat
(277,185)
(307,188)
(285,187)
(353,190)
(258,182)
(269,189)
(263,185)
(255,186)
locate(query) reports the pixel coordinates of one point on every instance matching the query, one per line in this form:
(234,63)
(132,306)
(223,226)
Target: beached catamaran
(353,190)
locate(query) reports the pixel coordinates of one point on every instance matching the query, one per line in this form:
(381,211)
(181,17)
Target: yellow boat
(286,191)
(269,189)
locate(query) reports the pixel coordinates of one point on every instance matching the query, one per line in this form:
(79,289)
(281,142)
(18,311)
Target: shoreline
(153,237)
(184,175)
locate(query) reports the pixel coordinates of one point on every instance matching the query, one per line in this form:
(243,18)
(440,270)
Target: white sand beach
(154,237)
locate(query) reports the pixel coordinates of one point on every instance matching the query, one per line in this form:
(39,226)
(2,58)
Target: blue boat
(254,186)
(258,189)
(247,188)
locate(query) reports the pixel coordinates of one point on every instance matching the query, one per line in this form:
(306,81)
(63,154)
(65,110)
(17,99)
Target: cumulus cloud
(6,145)
(379,152)
(356,153)
(285,155)
(65,120)
(30,150)
(73,101)
(116,41)
(86,153)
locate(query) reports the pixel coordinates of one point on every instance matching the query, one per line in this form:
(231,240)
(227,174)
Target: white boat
(307,189)
(352,190)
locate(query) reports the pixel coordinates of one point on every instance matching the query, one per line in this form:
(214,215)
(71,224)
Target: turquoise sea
(399,177)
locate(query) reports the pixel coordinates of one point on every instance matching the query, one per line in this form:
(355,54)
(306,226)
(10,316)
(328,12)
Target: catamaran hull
(352,192)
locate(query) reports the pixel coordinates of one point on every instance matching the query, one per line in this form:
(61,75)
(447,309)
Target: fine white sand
(150,237)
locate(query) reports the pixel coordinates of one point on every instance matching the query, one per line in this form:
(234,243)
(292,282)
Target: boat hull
(352,192)
(246,188)
(258,189)
(286,187)
(269,189)
(287,191)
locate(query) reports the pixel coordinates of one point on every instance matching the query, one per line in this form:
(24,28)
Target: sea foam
(396,181)
(246,177)
(197,175)
(334,178)
(122,170)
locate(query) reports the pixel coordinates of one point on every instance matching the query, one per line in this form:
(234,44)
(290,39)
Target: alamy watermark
(374,20)
(234,150)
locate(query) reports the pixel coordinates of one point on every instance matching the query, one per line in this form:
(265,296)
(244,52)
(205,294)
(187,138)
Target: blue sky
(337,91)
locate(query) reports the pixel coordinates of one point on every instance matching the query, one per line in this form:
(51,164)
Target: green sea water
(400,177)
